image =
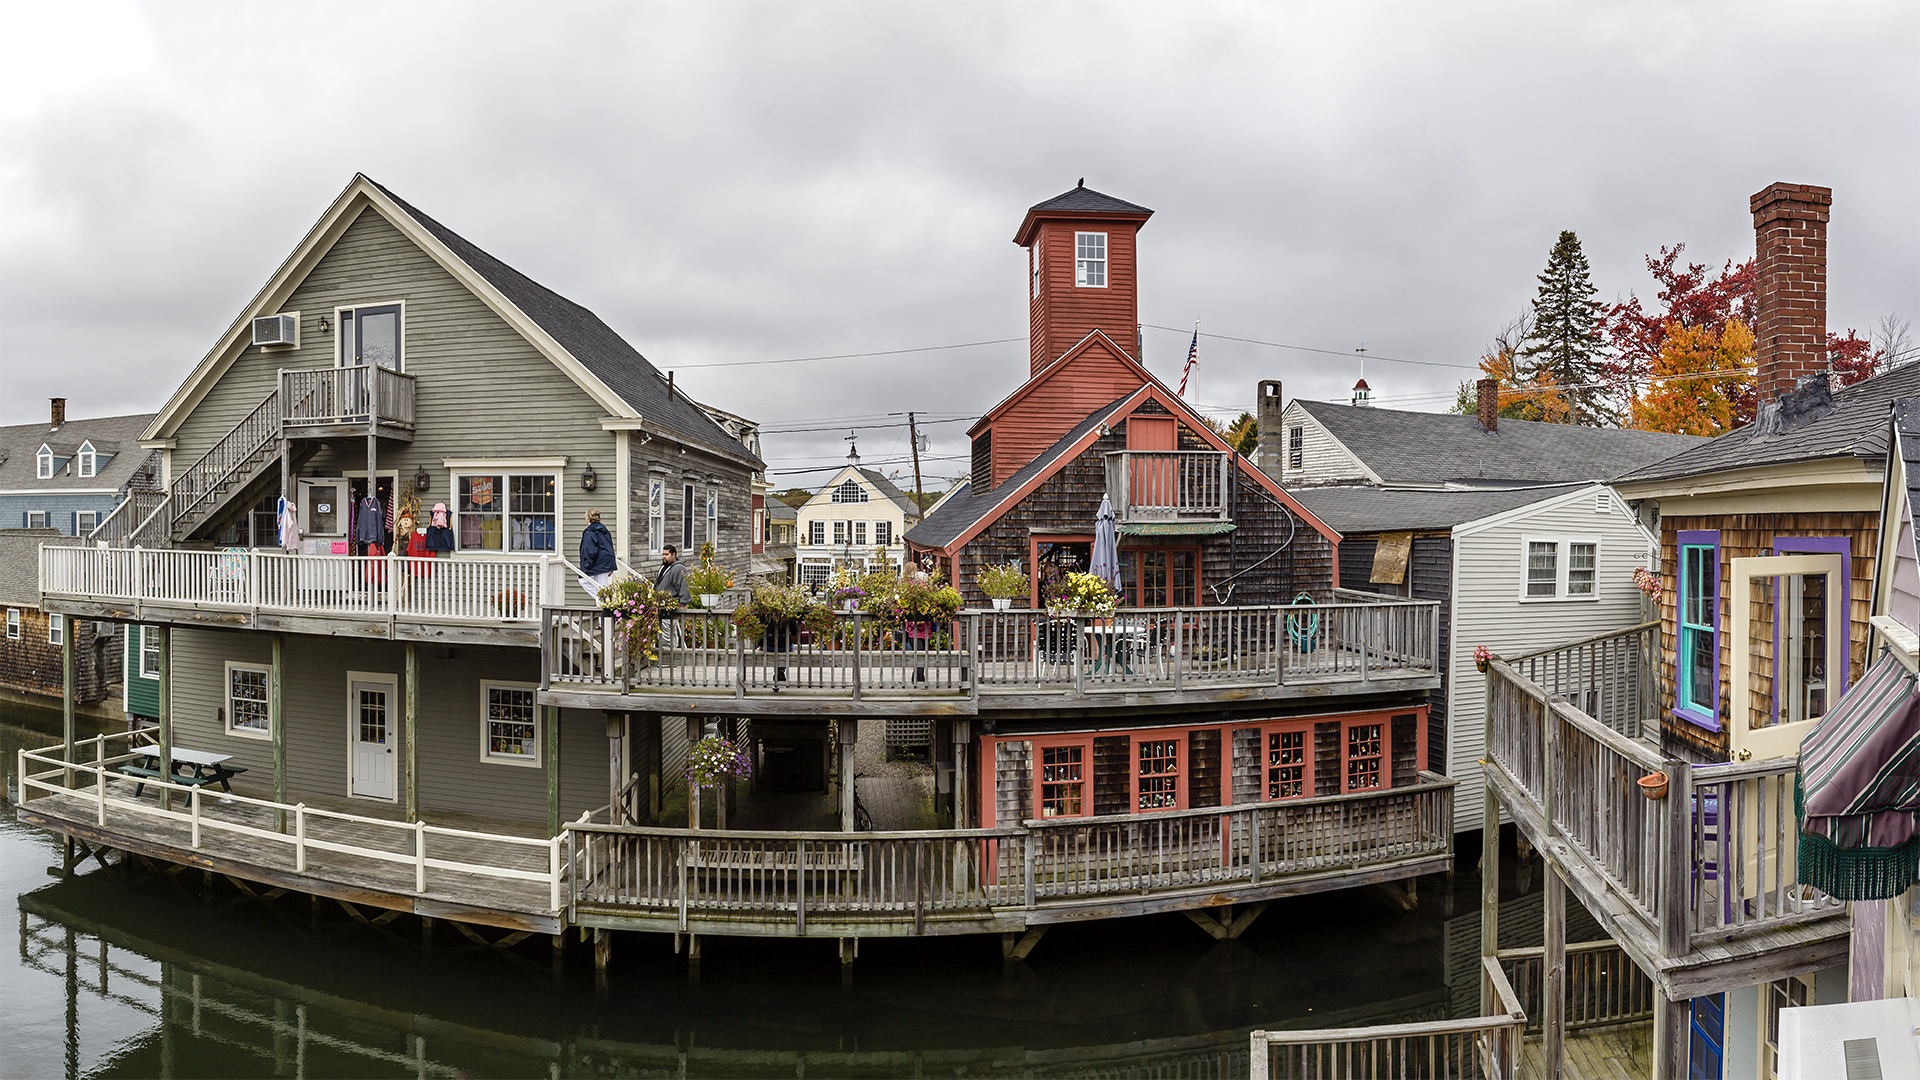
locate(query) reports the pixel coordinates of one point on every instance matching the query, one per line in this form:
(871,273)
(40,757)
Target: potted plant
(1002,583)
(1481,658)
(1083,594)
(637,608)
(776,613)
(709,579)
(846,591)
(511,603)
(710,762)
(1654,785)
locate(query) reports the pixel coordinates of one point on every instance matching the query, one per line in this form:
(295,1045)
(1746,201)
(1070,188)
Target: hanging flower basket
(1481,658)
(714,759)
(1654,785)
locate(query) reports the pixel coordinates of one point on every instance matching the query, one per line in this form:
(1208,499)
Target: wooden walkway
(1620,1052)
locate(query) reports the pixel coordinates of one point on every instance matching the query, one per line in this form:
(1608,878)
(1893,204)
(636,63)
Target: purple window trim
(1817,545)
(1684,539)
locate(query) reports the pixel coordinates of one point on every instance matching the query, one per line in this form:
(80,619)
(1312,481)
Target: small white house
(856,520)
(1517,570)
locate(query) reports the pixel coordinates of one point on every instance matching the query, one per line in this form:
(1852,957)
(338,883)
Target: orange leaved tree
(1708,403)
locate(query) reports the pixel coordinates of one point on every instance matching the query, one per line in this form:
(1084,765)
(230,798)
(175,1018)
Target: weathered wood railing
(1484,1046)
(1609,677)
(196,489)
(93,777)
(1603,986)
(490,589)
(1005,651)
(909,879)
(333,396)
(1167,485)
(1710,859)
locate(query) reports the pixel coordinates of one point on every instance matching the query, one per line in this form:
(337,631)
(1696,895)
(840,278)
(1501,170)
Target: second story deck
(1697,883)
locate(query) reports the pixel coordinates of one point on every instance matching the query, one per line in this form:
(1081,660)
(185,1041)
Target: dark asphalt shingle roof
(20,563)
(602,351)
(118,435)
(1437,448)
(781,510)
(1351,510)
(1087,200)
(961,511)
(1906,413)
(1857,427)
(887,488)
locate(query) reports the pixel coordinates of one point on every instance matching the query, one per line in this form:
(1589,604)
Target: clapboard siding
(1064,312)
(1745,536)
(1489,569)
(1431,571)
(1323,460)
(450,721)
(141,693)
(1055,403)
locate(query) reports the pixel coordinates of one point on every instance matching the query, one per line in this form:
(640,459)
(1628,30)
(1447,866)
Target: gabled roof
(781,510)
(115,435)
(873,478)
(600,361)
(1354,510)
(891,491)
(1075,202)
(1857,427)
(1415,448)
(1094,338)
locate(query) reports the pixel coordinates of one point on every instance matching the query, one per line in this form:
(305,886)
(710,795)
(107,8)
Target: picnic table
(200,768)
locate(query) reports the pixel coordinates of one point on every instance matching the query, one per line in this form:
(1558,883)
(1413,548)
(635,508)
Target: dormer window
(89,461)
(1090,260)
(43,464)
(850,492)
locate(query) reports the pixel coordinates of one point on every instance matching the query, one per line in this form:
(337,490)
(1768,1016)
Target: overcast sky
(728,183)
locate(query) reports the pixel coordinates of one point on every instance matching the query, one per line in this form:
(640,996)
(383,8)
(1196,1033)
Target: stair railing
(195,487)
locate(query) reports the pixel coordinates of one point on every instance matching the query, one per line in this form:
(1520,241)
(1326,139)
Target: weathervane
(853,448)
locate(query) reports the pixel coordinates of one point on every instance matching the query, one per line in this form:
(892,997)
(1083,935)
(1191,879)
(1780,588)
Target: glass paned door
(371,720)
(1782,601)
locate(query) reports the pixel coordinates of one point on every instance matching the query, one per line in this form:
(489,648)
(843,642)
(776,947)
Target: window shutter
(73,524)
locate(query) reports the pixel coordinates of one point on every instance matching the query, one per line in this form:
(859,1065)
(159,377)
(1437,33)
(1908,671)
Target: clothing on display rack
(369,524)
(439,538)
(289,520)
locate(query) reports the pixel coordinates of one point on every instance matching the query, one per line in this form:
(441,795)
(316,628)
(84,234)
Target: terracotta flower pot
(1654,785)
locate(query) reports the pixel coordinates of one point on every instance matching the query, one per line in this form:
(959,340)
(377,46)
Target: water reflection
(137,972)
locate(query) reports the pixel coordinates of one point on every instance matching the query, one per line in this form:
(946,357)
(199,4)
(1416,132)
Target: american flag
(1193,354)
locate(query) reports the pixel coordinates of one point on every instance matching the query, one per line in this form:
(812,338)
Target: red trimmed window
(1366,762)
(1063,781)
(1286,767)
(1157,774)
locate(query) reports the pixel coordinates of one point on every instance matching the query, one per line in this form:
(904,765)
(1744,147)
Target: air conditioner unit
(276,330)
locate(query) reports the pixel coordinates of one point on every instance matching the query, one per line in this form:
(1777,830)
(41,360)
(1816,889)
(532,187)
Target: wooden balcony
(762,884)
(319,403)
(1476,1046)
(1148,486)
(1699,886)
(985,660)
(481,600)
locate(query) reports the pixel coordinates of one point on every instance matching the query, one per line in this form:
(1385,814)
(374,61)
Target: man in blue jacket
(596,551)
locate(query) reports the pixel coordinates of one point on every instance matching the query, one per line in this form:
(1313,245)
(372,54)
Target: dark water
(130,972)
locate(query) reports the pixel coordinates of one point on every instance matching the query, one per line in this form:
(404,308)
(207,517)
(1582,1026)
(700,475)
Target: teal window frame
(1704,620)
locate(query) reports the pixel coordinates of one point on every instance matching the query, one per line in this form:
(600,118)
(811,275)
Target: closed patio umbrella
(1105,561)
(1859,788)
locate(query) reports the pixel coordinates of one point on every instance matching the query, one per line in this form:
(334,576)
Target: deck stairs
(239,468)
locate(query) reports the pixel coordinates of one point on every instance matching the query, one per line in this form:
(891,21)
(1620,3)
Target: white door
(1805,598)
(373,740)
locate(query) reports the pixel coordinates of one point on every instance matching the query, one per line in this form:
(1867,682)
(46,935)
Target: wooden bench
(145,774)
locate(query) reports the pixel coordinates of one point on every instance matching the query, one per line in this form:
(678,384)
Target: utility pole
(919,497)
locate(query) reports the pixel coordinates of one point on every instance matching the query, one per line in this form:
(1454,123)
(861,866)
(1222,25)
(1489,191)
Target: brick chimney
(59,411)
(1790,285)
(1273,437)
(1489,391)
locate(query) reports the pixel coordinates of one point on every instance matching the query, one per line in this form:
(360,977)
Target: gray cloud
(726,183)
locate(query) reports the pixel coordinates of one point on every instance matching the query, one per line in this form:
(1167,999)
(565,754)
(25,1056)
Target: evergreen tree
(1565,344)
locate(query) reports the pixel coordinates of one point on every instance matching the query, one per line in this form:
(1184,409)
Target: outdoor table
(204,768)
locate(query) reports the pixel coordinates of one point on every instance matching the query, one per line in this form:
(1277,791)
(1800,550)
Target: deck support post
(1016,947)
(552,734)
(657,753)
(602,955)
(559,958)
(166,705)
(67,633)
(1224,924)
(410,721)
(277,723)
(849,735)
(614,756)
(849,948)
(1489,885)
(693,958)
(1670,1019)
(1553,993)
(693,789)
(962,747)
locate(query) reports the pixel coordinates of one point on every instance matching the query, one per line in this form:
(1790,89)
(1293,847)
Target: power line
(1311,349)
(847,356)
(861,427)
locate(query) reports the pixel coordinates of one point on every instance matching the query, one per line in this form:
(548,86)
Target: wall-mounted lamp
(324,324)
(588,480)
(1104,430)
(421,480)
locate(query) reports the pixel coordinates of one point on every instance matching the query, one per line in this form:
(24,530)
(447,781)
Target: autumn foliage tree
(1707,404)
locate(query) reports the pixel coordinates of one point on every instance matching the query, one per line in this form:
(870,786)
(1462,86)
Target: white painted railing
(473,588)
(99,782)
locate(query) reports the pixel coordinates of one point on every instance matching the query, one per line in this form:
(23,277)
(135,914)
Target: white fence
(467,588)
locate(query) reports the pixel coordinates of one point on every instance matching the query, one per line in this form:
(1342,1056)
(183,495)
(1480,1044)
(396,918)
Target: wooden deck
(1620,1052)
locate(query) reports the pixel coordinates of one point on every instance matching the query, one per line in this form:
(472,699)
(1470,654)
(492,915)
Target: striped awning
(1859,788)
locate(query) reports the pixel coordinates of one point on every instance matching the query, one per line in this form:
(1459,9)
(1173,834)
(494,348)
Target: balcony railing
(337,396)
(1710,862)
(1167,485)
(470,588)
(1003,652)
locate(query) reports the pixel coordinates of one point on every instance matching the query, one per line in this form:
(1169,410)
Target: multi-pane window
(247,711)
(13,624)
(656,513)
(373,716)
(1286,764)
(883,533)
(85,521)
(713,515)
(1158,775)
(1090,260)
(36,519)
(815,572)
(149,652)
(850,491)
(1784,994)
(1033,257)
(816,532)
(1543,573)
(760,528)
(686,517)
(512,723)
(89,461)
(504,512)
(56,629)
(860,533)
(840,532)
(1296,446)
(1152,577)
(1063,781)
(1581,559)
(1363,757)
(1698,606)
